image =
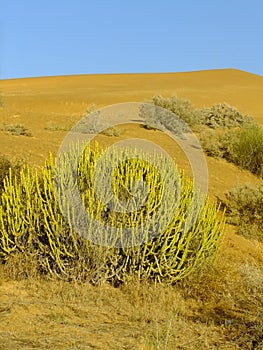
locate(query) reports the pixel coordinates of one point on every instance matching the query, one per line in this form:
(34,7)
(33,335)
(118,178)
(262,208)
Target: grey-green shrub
(222,115)
(182,108)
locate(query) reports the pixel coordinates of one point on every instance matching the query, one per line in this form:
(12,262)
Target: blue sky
(63,37)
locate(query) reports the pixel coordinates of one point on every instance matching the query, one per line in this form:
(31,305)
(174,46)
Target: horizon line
(130,73)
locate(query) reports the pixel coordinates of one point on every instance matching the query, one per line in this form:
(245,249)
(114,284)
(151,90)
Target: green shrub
(16,129)
(243,147)
(222,115)
(246,149)
(245,210)
(31,222)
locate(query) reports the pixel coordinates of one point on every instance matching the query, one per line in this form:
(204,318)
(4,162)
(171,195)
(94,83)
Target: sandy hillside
(219,311)
(48,103)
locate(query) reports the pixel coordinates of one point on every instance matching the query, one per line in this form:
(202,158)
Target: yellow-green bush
(31,222)
(5,165)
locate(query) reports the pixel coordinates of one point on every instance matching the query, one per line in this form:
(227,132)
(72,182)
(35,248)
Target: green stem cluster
(32,222)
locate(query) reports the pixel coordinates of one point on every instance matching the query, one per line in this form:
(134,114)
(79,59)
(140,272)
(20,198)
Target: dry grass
(221,307)
(16,130)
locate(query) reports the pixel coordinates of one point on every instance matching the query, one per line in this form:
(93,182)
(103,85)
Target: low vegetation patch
(51,126)
(16,129)
(245,210)
(219,116)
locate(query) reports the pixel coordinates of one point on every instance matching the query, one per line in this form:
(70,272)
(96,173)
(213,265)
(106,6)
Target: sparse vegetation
(225,132)
(16,129)
(51,126)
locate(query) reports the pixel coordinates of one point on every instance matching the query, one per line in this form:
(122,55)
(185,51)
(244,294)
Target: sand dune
(242,89)
(63,100)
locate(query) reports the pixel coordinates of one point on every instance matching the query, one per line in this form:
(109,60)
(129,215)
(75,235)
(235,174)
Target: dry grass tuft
(16,129)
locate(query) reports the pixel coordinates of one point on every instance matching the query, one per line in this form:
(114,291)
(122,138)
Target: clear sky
(63,37)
